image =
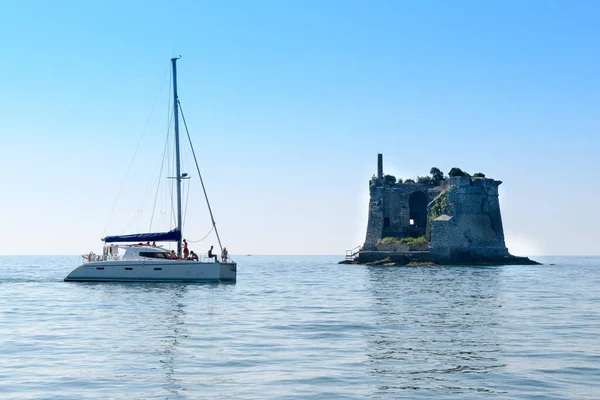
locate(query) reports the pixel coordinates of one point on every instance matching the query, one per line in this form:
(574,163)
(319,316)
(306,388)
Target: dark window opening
(99,267)
(154,254)
(386,222)
(417,204)
(157,269)
(129,269)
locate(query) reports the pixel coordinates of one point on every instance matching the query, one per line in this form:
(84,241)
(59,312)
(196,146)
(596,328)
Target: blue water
(304,328)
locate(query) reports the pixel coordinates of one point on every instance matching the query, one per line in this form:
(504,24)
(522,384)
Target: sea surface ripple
(304,327)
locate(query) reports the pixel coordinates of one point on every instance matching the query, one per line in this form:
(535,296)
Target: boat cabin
(134,252)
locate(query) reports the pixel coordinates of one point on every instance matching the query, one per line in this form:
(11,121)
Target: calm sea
(298,327)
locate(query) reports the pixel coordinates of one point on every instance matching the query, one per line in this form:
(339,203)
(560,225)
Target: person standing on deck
(224,255)
(186,251)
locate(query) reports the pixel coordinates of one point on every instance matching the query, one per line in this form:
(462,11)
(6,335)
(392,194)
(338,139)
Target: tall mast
(177,161)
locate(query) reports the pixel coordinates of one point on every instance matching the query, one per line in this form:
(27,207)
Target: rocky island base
(424,258)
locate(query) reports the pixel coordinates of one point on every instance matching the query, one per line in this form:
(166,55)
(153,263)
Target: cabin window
(154,254)
(386,222)
(99,267)
(158,269)
(128,269)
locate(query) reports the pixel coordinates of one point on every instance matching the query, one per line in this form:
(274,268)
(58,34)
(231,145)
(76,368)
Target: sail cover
(171,236)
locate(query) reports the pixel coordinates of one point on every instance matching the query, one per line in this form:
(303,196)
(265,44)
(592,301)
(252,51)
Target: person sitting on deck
(211,255)
(193,256)
(173,255)
(224,255)
(186,251)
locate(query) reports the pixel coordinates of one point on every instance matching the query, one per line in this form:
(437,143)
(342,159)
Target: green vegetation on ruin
(439,207)
(389,179)
(421,240)
(457,172)
(435,178)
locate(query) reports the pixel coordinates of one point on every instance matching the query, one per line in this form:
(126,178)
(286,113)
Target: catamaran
(133,261)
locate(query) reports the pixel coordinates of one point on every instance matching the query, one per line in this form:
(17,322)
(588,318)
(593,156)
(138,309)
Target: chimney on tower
(379,166)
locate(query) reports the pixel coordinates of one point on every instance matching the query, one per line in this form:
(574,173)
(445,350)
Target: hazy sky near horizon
(288,104)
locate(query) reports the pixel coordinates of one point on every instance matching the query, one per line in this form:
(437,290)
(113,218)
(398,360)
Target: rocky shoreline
(424,258)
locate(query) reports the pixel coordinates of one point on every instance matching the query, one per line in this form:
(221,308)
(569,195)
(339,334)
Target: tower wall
(391,203)
(470,224)
(375,220)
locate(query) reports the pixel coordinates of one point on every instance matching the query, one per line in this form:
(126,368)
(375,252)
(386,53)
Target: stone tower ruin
(460,217)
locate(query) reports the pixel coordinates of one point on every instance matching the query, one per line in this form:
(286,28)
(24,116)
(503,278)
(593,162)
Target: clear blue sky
(289,103)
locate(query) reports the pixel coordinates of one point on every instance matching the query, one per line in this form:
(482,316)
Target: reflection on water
(158,329)
(433,327)
(304,328)
(174,319)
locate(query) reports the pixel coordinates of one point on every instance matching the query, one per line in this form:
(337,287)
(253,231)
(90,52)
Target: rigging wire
(187,201)
(200,175)
(140,215)
(205,236)
(135,153)
(184,162)
(171,163)
(162,164)
(135,216)
(173,215)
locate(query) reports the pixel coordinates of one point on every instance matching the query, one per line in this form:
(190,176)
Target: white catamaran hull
(153,271)
(151,263)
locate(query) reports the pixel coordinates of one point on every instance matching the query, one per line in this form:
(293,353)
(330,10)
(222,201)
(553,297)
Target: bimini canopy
(171,236)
